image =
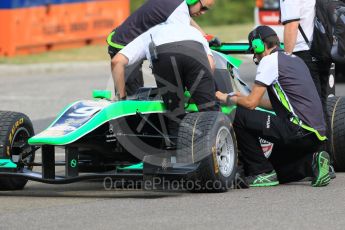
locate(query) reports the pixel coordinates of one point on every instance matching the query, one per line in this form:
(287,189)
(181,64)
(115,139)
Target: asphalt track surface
(41,94)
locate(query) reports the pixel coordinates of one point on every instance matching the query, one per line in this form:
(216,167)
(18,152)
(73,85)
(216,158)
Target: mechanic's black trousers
(183,65)
(293,146)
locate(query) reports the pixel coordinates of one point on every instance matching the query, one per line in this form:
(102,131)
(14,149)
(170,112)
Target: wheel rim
(21,136)
(225,152)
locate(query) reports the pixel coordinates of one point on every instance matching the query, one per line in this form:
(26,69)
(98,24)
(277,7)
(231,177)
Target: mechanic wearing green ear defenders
(257,45)
(150,14)
(297,129)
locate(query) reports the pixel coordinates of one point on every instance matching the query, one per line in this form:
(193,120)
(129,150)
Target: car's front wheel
(208,139)
(15,130)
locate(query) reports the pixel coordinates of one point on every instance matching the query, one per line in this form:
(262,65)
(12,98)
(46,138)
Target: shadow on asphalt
(86,190)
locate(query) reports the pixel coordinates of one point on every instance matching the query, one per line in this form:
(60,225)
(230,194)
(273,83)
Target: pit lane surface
(42,94)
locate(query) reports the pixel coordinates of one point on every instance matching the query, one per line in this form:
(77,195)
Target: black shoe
(263,180)
(321,169)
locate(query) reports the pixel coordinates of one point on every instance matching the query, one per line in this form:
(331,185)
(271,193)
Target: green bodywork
(139,166)
(232,60)
(101,94)
(232,48)
(113,111)
(239,48)
(7,164)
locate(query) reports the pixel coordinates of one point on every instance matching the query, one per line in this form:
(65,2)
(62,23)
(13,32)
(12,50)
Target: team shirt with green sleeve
(291,90)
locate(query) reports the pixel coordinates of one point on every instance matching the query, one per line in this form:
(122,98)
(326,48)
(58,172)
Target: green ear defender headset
(257,44)
(192,2)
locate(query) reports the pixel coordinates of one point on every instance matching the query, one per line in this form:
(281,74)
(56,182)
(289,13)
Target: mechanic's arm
(194,24)
(290,35)
(118,65)
(253,100)
(132,53)
(212,62)
(266,104)
(209,55)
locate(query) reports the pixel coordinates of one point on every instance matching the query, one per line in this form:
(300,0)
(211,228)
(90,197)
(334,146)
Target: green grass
(230,33)
(87,53)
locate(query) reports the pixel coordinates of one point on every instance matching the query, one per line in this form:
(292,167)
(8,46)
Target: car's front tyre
(208,139)
(15,130)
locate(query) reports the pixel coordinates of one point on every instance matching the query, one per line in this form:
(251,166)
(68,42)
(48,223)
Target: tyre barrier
(29,26)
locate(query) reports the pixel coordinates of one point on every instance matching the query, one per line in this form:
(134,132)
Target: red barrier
(54,27)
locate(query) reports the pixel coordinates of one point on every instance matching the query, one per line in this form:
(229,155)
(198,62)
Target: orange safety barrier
(54,27)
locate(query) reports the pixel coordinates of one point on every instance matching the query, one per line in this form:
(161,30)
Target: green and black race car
(129,140)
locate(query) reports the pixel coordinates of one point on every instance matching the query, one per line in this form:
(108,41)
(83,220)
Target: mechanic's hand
(221,96)
(234,98)
(238,94)
(213,40)
(225,98)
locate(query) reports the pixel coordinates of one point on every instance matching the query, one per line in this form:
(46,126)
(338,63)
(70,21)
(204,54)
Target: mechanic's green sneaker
(321,169)
(332,173)
(263,180)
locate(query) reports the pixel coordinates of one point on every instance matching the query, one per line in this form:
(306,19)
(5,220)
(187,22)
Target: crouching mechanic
(180,57)
(298,128)
(150,14)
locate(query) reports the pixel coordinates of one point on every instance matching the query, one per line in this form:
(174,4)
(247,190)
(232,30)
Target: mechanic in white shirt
(150,14)
(183,59)
(294,13)
(298,17)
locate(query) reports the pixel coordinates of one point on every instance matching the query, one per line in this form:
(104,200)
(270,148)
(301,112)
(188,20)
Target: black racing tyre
(208,139)
(15,130)
(336,114)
